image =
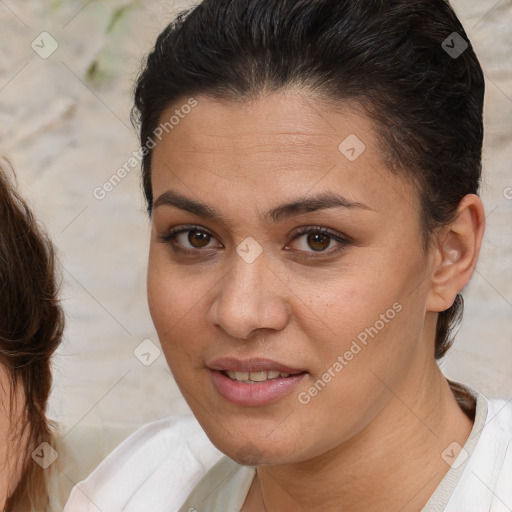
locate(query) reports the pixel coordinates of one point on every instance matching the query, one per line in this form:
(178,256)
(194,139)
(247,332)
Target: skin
(372,439)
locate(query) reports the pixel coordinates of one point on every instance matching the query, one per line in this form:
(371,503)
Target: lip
(259,393)
(251,365)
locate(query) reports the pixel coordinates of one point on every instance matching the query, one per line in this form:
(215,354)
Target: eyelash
(170,239)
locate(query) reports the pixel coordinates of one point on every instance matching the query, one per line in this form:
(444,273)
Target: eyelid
(323,230)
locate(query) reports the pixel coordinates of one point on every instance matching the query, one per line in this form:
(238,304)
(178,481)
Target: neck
(393,464)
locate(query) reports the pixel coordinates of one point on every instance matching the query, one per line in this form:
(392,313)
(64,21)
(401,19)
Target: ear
(456,253)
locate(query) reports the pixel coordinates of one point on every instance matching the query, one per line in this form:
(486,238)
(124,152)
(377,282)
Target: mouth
(254,382)
(254,366)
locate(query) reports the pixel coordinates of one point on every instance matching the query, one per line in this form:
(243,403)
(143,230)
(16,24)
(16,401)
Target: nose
(251,297)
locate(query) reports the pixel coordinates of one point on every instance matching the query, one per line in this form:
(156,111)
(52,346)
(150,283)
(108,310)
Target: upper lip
(251,365)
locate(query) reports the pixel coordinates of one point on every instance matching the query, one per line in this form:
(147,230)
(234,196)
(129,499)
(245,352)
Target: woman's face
(254,287)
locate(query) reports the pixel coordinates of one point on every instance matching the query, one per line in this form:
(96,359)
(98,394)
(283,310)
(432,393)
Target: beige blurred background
(64,124)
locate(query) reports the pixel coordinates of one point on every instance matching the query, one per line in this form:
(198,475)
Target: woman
(311,170)
(31,326)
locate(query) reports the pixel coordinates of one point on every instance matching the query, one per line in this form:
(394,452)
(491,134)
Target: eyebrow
(321,201)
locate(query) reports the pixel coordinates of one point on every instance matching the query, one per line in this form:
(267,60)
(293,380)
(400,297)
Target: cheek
(372,316)
(168,299)
(161,293)
(177,302)
(173,294)
(346,305)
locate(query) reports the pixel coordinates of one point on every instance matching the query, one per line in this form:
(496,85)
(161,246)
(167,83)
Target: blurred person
(31,327)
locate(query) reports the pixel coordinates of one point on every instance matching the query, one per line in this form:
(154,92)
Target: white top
(170,465)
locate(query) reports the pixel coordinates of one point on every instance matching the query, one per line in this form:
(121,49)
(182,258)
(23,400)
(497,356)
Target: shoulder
(499,417)
(492,468)
(496,437)
(485,483)
(154,469)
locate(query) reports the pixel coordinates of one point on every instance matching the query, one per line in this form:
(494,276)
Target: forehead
(279,122)
(278,144)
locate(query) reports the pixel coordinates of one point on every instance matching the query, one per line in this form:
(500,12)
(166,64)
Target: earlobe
(457,249)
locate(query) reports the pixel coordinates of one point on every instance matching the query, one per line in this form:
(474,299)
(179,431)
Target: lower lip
(257,394)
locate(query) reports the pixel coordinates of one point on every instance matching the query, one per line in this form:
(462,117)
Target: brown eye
(198,239)
(188,239)
(318,241)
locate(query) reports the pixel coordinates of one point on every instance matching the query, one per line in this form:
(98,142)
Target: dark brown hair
(31,327)
(388,56)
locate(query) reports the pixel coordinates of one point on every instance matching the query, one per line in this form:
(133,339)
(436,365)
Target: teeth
(255,376)
(258,376)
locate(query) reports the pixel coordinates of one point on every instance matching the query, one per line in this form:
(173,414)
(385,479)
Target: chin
(251,454)
(257,449)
